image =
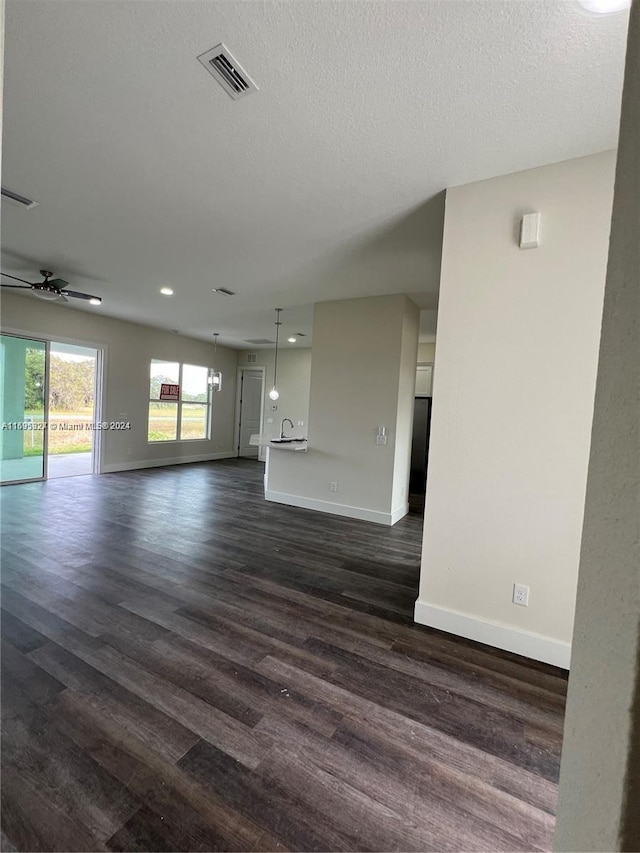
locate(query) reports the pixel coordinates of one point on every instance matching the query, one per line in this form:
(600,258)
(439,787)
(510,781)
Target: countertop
(265,441)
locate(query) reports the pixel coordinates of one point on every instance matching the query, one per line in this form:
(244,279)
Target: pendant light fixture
(215,376)
(274,393)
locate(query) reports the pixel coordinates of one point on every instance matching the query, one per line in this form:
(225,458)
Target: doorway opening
(72,444)
(249,408)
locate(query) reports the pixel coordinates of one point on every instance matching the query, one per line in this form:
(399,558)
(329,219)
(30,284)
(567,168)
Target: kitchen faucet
(282,423)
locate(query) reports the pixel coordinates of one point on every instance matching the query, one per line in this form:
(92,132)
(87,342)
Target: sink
(286,440)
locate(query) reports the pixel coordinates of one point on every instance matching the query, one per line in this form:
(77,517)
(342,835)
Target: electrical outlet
(333,487)
(521,594)
(269,420)
(381,439)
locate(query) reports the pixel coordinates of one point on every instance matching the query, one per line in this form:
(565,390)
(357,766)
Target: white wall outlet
(521,594)
(269,420)
(333,487)
(274,408)
(381,439)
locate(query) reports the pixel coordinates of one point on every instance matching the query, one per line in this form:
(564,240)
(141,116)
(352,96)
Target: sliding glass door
(23,436)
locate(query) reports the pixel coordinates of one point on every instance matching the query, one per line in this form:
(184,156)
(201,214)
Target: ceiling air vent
(20,200)
(257,341)
(251,358)
(224,290)
(227,70)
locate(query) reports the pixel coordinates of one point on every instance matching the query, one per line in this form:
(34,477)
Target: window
(188,418)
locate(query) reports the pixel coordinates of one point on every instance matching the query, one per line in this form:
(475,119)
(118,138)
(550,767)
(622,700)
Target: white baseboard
(399,513)
(493,634)
(336,508)
(114,467)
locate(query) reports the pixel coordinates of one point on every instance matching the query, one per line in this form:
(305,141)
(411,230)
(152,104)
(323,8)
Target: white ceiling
(326,184)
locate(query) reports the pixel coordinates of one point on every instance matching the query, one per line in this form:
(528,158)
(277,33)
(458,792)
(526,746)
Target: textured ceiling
(325,184)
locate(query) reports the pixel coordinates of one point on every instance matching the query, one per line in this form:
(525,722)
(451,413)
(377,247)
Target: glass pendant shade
(215,376)
(274,394)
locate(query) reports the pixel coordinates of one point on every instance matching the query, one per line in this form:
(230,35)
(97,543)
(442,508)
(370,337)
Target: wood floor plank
(419,738)
(433,793)
(164,789)
(75,785)
(160,732)
(254,681)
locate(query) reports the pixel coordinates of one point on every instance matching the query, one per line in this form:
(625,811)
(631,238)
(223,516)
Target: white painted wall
(599,797)
(511,418)
(362,375)
(129,350)
(427,353)
(294,381)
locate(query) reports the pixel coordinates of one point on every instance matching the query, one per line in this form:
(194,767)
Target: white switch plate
(381,439)
(530,231)
(333,487)
(521,594)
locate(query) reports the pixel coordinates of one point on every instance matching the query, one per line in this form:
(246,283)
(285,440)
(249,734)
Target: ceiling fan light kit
(51,289)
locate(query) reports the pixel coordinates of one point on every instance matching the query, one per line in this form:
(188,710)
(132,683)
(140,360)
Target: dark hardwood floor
(187,667)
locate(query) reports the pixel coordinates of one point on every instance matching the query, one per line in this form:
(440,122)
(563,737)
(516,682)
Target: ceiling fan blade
(24,281)
(77,295)
(17,286)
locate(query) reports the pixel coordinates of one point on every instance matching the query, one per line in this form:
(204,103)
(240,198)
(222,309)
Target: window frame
(179,403)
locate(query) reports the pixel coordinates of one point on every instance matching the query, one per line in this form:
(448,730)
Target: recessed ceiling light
(292,340)
(166,291)
(95,300)
(604,7)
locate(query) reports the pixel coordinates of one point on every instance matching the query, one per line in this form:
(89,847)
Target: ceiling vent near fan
(224,290)
(228,72)
(258,341)
(20,200)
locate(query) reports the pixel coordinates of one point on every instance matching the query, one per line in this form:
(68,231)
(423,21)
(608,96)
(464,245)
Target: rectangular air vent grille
(26,203)
(228,72)
(257,341)
(224,290)
(251,358)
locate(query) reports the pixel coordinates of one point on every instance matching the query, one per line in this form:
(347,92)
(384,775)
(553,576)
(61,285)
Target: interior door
(420,445)
(250,411)
(23,435)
